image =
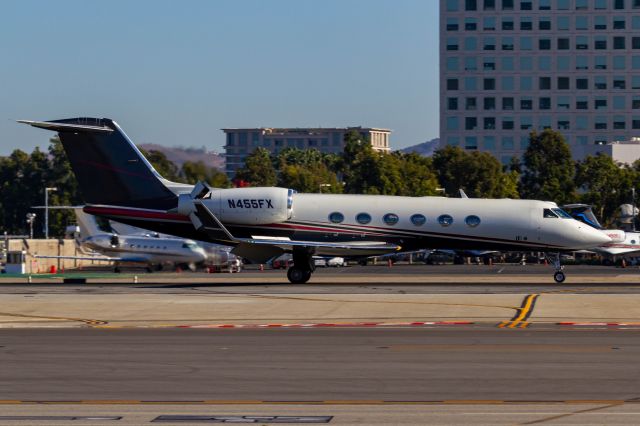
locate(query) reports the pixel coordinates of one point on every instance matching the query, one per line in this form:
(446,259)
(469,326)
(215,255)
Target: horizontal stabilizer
(96,126)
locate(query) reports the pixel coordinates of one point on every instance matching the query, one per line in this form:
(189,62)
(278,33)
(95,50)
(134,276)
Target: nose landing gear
(554,259)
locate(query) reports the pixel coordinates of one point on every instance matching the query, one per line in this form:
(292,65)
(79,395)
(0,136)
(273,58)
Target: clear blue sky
(175,72)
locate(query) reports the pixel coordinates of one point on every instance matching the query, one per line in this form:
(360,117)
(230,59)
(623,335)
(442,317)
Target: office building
(508,67)
(242,142)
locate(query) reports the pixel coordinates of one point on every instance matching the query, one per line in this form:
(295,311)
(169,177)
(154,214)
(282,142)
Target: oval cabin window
(445,220)
(363,218)
(336,217)
(472,221)
(418,219)
(390,218)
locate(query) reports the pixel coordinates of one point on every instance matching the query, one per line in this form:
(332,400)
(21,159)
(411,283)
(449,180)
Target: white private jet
(154,252)
(118,183)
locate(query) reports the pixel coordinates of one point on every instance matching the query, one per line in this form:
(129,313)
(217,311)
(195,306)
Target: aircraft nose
(595,237)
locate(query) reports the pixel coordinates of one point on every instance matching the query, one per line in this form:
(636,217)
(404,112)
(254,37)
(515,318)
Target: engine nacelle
(245,206)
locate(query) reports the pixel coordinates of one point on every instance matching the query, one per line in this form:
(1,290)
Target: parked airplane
(622,243)
(118,183)
(154,252)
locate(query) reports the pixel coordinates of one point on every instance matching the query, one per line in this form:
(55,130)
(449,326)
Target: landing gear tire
(559,277)
(116,270)
(298,275)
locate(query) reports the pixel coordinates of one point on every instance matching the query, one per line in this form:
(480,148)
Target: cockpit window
(562,214)
(189,245)
(549,214)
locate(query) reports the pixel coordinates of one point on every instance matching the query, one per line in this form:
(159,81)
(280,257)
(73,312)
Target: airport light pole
(46,210)
(31,217)
(323,185)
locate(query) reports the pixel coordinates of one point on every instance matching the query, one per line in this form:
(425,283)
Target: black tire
(559,277)
(297,275)
(116,270)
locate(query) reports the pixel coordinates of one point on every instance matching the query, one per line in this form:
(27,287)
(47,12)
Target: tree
(161,163)
(258,169)
(606,185)
(193,172)
(306,171)
(479,174)
(548,168)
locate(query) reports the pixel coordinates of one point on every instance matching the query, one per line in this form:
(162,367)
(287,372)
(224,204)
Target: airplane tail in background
(109,167)
(87,223)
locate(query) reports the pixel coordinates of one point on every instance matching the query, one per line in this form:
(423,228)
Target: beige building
(243,141)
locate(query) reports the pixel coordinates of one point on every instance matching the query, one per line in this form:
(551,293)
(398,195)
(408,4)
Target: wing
(261,249)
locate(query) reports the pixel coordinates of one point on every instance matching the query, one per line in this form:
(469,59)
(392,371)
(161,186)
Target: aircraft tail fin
(109,167)
(87,223)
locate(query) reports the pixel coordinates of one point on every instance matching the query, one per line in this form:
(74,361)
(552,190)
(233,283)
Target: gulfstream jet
(118,183)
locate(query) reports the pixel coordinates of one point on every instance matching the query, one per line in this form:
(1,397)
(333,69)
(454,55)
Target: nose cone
(593,237)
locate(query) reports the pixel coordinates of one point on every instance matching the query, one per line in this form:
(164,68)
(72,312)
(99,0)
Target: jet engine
(242,206)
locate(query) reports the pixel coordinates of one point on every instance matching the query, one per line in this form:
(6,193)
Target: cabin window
(363,218)
(418,219)
(390,218)
(336,217)
(549,214)
(472,221)
(633,241)
(445,220)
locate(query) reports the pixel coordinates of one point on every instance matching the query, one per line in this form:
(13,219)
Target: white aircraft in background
(118,183)
(218,256)
(623,243)
(154,252)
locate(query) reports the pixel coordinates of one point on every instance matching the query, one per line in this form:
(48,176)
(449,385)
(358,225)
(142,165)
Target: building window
(470,5)
(562,4)
(507,83)
(507,43)
(563,63)
(544,83)
(489,43)
(489,64)
(489,5)
(619,43)
(600,123)
(545,5)
(470,64)
(507,123)
(563,124)
(470,104)
(470,83)
(489,24)
(526,104)
(544,44)
(600,23)
(526,123)
(507,143)
(526,63)
(470,123)
(619,82)
(563,43)
(489,123)
(507,63)
(600,103)
(619,122)
(582,4)
(563,23)
(526,24)
(618,4)
(526,83)
(544,63)
(452,24)
(452,5)
(619,63)
(564,102)
(526,43)
(544,24)
(582,122)
(601,4)
(470,143)
(635,123)
(231,139)
(452,64)
(470,44)
(489,143)
(582,23)
(563,83)
(452,104)
(452,44)
(619,23)
(600,82)
(470,24)
(507,24)
(635,102)
(600,62)
(600,43)
(507,4)
(582,42)
(489,84)
(489,103)
(582,62)
(544,103)
(582,102)
(619,102)
(507,104)
(452,84)
(526,5)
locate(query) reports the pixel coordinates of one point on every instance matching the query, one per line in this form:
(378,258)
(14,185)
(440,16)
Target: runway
(319,365)
(368,350)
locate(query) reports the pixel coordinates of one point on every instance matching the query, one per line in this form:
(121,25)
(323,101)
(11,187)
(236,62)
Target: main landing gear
(302,267)
(554,259)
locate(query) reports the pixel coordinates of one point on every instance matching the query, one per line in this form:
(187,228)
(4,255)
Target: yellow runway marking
(519,319)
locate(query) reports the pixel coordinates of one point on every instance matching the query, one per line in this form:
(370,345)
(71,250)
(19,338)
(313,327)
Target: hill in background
(425,148)
(180,155)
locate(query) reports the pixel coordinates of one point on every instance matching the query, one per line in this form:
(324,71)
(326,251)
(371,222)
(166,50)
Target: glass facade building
(508,67)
